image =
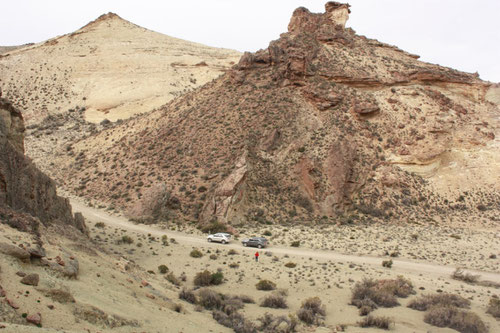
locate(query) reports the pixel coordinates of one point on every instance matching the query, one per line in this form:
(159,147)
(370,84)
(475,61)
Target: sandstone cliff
(23,188)
(322,125)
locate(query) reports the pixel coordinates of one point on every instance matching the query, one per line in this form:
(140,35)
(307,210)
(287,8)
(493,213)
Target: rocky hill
(27,196)
(322,125)
(111,67)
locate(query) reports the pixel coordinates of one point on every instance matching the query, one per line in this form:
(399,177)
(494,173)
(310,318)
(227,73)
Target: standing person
(257,256)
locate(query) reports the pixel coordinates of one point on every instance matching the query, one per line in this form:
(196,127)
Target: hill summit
(111,67)
(323,125)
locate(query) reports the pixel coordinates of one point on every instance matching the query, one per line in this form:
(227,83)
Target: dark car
(259,242)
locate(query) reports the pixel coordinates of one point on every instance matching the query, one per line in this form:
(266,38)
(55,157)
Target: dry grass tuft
(379,322)
(265,285)
(425,302)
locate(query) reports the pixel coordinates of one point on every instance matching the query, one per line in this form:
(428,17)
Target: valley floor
(120,288)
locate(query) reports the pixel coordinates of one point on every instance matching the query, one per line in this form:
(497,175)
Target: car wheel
(245,244)
(210,240)
(223,242)
(259,246)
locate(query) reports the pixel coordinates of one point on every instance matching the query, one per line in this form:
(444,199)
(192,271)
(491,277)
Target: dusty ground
(113,274)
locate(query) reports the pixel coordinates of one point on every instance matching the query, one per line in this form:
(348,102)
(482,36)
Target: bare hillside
(111,67)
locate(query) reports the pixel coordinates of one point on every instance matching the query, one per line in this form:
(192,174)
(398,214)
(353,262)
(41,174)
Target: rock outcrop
(23,188)
(329,123)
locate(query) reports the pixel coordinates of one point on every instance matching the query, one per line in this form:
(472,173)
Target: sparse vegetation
(494,307)
(387,263)
(126,239)
(295,243)
(196,253)
(279,324)
(290,265)
(265,285)
(274,301)
(455,318)
(378,322)
(369,294)
(188,296)
(425,302)
(312,311)
(206,278)
(163,269)
(100,225)
(170,277)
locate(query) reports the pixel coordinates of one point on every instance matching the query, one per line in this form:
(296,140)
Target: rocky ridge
(323,125)
(27,196)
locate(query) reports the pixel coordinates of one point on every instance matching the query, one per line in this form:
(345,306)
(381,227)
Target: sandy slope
(112,67)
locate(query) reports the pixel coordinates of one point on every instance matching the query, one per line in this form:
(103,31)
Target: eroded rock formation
(23,188)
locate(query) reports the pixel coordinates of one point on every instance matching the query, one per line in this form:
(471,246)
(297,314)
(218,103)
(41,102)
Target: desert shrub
(188,296)
(268,233)
(379,322)
(207,278)
(196,253)
(387,263)
(265,285)
(295,243)
(100,225)
(369,294)
(164,240)
(170,277)
(494,307)
(209,299)
(279,324)
(246,299)
(274,301)
(163,269)
(213,256)
(290,265)
(455,318)
(214,227)
(217,278)
(127,239)
(311,311)
(459,274)
(235,321)
(232,252)
(425,302)
(178,307)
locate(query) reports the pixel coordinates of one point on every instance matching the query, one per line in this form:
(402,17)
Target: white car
(220,237)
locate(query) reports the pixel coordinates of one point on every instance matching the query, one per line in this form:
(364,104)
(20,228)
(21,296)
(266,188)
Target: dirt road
(399,265)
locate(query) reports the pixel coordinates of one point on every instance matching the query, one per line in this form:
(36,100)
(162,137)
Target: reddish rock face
(295,132)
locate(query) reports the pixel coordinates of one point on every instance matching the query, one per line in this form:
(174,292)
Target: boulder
(14,251)
(35,318)
(31,279)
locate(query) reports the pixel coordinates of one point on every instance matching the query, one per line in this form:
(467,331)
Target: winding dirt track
(399,265)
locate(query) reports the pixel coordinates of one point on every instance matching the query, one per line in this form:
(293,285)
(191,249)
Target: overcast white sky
(462,34)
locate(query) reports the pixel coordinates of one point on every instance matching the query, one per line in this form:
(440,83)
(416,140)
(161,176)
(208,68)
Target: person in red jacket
(257,256)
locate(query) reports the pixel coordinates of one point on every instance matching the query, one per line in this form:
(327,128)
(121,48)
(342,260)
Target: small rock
(35,319)
(2,292)
(150,296)
(21,274)
(145,283)
(12,304)
(31,279)
(51,306)
(37,252)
